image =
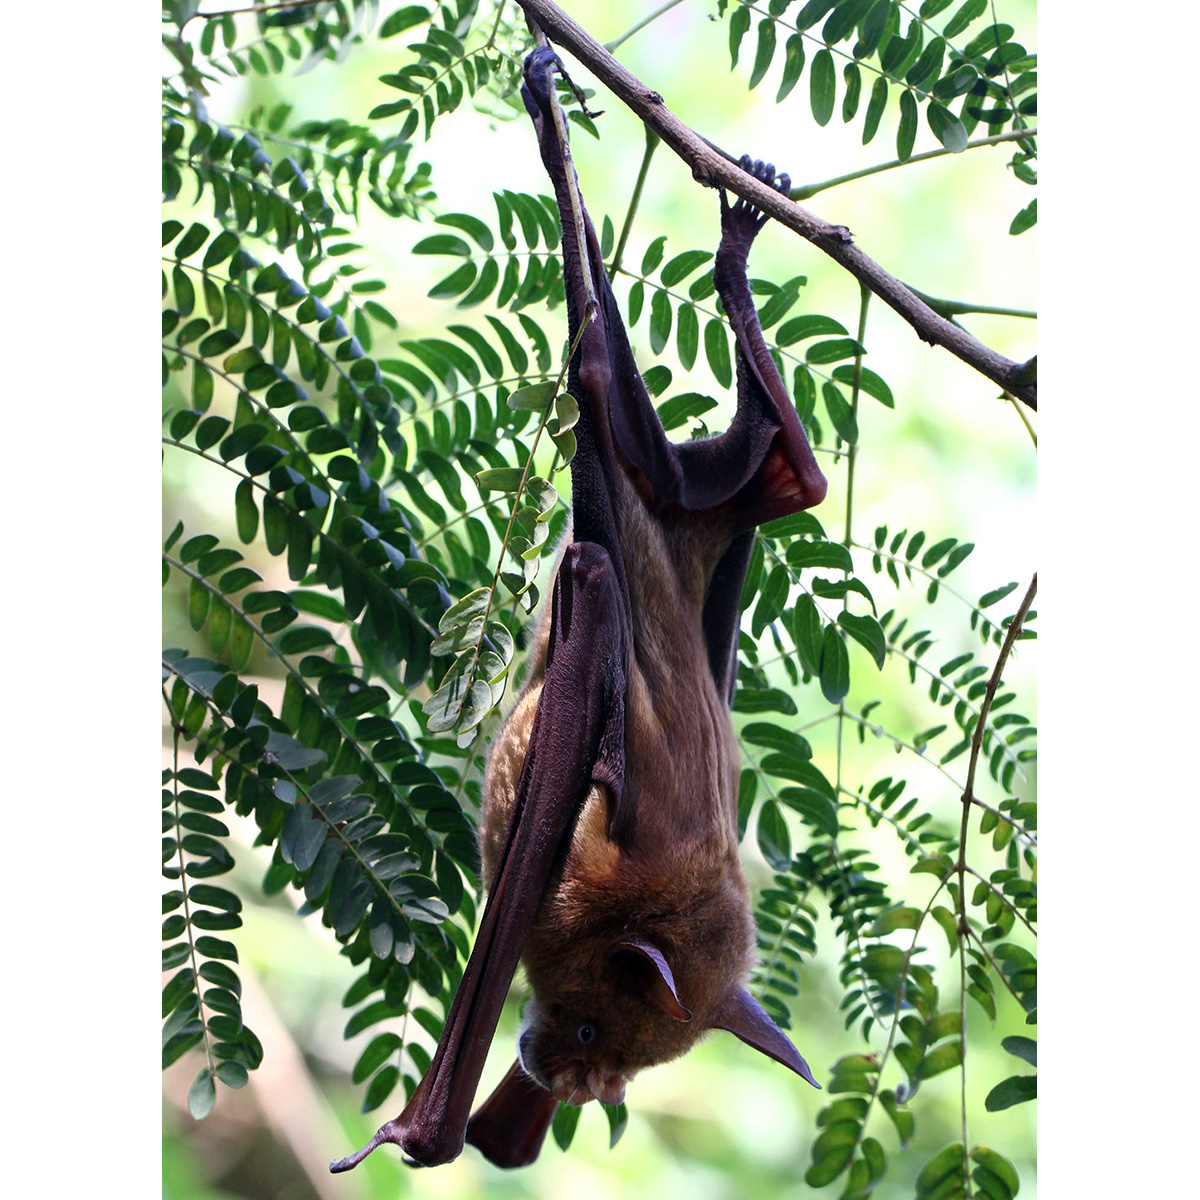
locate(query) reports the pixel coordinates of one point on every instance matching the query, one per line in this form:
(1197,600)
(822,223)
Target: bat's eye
(587,1033)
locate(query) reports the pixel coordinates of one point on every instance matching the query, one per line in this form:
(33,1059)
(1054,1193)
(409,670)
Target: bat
(609,834)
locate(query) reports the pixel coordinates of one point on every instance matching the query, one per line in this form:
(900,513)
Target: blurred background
(952,459)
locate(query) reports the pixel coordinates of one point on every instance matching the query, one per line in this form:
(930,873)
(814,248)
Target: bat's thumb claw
(386,1133)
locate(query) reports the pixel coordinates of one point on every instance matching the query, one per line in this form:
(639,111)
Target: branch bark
(713,169)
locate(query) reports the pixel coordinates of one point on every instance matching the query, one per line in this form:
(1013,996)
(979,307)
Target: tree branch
(712,168)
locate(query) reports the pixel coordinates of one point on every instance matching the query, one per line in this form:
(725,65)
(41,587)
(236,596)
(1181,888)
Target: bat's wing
(577,740)
(509,1127)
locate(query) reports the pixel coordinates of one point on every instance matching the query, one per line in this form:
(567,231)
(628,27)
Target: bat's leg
(617,414)
(763,462)
(509,1127)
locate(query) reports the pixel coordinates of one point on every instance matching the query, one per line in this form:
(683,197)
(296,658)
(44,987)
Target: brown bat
(609,838)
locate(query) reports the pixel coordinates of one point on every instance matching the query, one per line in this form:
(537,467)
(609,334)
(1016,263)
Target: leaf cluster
(940,57)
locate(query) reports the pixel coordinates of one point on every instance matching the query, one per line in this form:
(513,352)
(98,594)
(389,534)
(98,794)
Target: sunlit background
(952,459)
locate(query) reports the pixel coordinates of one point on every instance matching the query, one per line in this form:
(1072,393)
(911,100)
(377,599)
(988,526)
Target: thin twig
(808,190)
(712,169)
(258,8)
(968,796)
(652,144)
(658,12)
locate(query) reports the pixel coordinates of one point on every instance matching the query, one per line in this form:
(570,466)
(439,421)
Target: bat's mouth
(577,1083)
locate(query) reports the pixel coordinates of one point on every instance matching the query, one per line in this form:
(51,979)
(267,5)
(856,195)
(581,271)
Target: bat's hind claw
(745,211)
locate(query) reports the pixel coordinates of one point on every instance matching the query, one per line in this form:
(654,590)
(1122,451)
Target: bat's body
(672,879)
(609,838)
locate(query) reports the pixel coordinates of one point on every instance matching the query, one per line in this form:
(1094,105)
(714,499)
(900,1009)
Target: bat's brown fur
(677,883)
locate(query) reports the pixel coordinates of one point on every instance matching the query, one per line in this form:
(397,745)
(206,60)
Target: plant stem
(808,190)
(852,451)
(652,143)
(955,308)
(993,683)
(495,26)
(257,8)
(658,12)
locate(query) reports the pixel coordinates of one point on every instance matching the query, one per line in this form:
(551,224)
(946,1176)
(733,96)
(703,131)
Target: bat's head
(587,1043)
(584,1043)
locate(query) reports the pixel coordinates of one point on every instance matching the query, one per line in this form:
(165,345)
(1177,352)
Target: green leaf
(687,335)
(618,1120)
(963,17)
(500,479)
(202,1095)
(402,19)
(473,227)
(868,382)
(806,633)
(773,837)
(902,1119)
(682,265)
(764,53)
(840,413)
(739,24)
(1023,1047)
(946,1164)
(943,1058)
(771,600)
(819,554)
(809,325)
(566,1118)
(812,12)
(454,284)
(901,917)
(678,409)
(823,86)
(947,128)
(1025,219)
(793,66)
(442,243)
(928,66)
(1016,1089)
(867,631)
(907,133)
(875,107)
(533,398)
(716,349)
(835,666)
(832,351)
(998,1165)
(660,321)
(653,255)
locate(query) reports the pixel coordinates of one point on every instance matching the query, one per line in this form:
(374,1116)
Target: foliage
(407,487)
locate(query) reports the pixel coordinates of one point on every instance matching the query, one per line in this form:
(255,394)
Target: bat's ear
(655,975)
(745,1018)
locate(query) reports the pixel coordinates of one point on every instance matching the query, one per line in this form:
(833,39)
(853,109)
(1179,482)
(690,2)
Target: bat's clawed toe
(744,215)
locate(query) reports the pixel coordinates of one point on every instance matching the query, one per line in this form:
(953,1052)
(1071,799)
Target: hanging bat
(609,837)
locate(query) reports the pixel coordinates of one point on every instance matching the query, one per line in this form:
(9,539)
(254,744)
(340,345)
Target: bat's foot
(540,64)
(741,220)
